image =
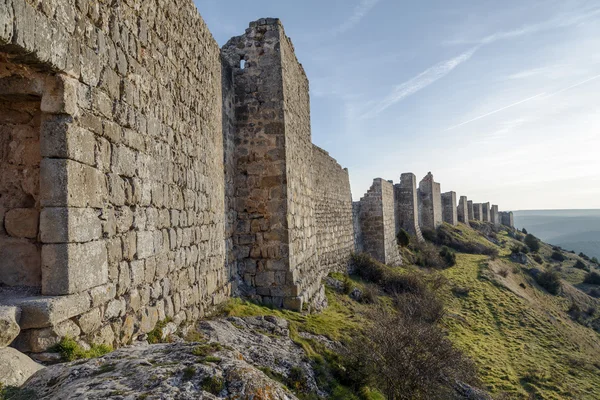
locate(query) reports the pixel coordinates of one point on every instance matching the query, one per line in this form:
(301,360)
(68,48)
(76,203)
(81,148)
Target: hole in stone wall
(20,120)
(242,64)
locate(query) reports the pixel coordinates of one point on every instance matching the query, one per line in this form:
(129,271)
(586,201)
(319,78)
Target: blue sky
(499,99)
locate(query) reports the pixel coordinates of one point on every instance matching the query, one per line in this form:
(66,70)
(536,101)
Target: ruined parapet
(486,212)
(507,219)
(494,216)
(358,237)
(478,212)
(449,211)
(407,207)
(470,210)
(378,223)
(463,210)
(430,203)
(276,230)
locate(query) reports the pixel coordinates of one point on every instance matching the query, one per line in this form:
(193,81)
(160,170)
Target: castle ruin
(148,174)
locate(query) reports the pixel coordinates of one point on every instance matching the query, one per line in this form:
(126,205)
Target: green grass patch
(70,350)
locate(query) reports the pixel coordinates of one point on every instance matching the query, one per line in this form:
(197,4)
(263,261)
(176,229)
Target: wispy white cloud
(419,82)
(539,95)
(562,21)
(360,11)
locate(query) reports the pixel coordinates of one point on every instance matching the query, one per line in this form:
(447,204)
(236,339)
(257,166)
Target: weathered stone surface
(471,210)
(47,311)
(430,203)
(40,340)
(378,223)
(463,210)
(449,211)
(407,205)
(72,268)
(16,367)
(70,225)
(494,215)
(22,222)
(486,212)
(20,262)
(507,219)
(9,324)
(478,212)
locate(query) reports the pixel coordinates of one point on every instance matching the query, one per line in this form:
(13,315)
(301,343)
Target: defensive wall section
(449,208)
(462,211)
(148,174)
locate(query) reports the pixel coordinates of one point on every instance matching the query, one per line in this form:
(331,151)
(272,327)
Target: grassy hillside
(525,342)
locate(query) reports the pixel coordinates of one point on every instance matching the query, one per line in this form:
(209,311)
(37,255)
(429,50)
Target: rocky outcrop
(16,367)
(239,359)
(9,325)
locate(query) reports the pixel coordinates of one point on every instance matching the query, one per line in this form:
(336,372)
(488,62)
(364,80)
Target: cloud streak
(419,82)
(539,95)
(360,11)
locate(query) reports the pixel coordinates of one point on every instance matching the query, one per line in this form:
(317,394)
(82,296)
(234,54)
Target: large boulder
(16,367)
(9,325)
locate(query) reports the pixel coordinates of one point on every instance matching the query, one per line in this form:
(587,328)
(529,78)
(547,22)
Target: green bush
(403,238)
(580,265)
(524,231)
(593,278)
(595,260)
(445,237)
(538,259)
(449,256)
(390,280)
(532,242)
(557,256)
(549,280)
(212,384)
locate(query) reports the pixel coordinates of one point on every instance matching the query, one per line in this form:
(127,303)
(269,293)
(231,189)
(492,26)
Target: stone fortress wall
(148,174)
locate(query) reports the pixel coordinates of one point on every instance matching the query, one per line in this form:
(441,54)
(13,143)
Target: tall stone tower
(430,203)
(449,211)
(275,232)
(407,207)
(463,210)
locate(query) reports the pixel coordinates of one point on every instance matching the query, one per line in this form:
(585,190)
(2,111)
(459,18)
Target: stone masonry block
(23,257)
(61,138)
(65,183)
(73,268)
(41,312)
(70,225)
(60,96)
(145,244)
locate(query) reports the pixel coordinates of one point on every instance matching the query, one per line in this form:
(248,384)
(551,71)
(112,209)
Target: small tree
(403,238)
(557,256)
(593,278)
(580,265)
(549,280)
(532,242)
(524,231)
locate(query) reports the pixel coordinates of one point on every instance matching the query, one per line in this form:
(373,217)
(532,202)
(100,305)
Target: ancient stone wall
(485,212)
(407,207)
(507,219)
(358,237)
(333,212)
(449,211)
(494,216)
(478,212)
(131,171)
(463,210)
(430,203)
(470,210)
(378,223)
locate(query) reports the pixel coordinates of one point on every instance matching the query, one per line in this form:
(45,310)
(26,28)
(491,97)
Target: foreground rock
(16,367)
(162,371)
(9,325)
(235,361)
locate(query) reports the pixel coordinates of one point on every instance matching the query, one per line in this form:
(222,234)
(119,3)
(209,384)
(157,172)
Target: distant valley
(577,230)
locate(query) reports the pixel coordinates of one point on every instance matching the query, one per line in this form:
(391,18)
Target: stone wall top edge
(331,159)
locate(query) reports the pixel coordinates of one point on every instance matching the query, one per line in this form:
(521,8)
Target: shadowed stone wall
(494,216)
(478,212)
(463,210)
(378,223)
(333,212)
(470,210)
(407,207)
(507,219)
(131,171)
(485,212)
(430,203)
(449,211)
